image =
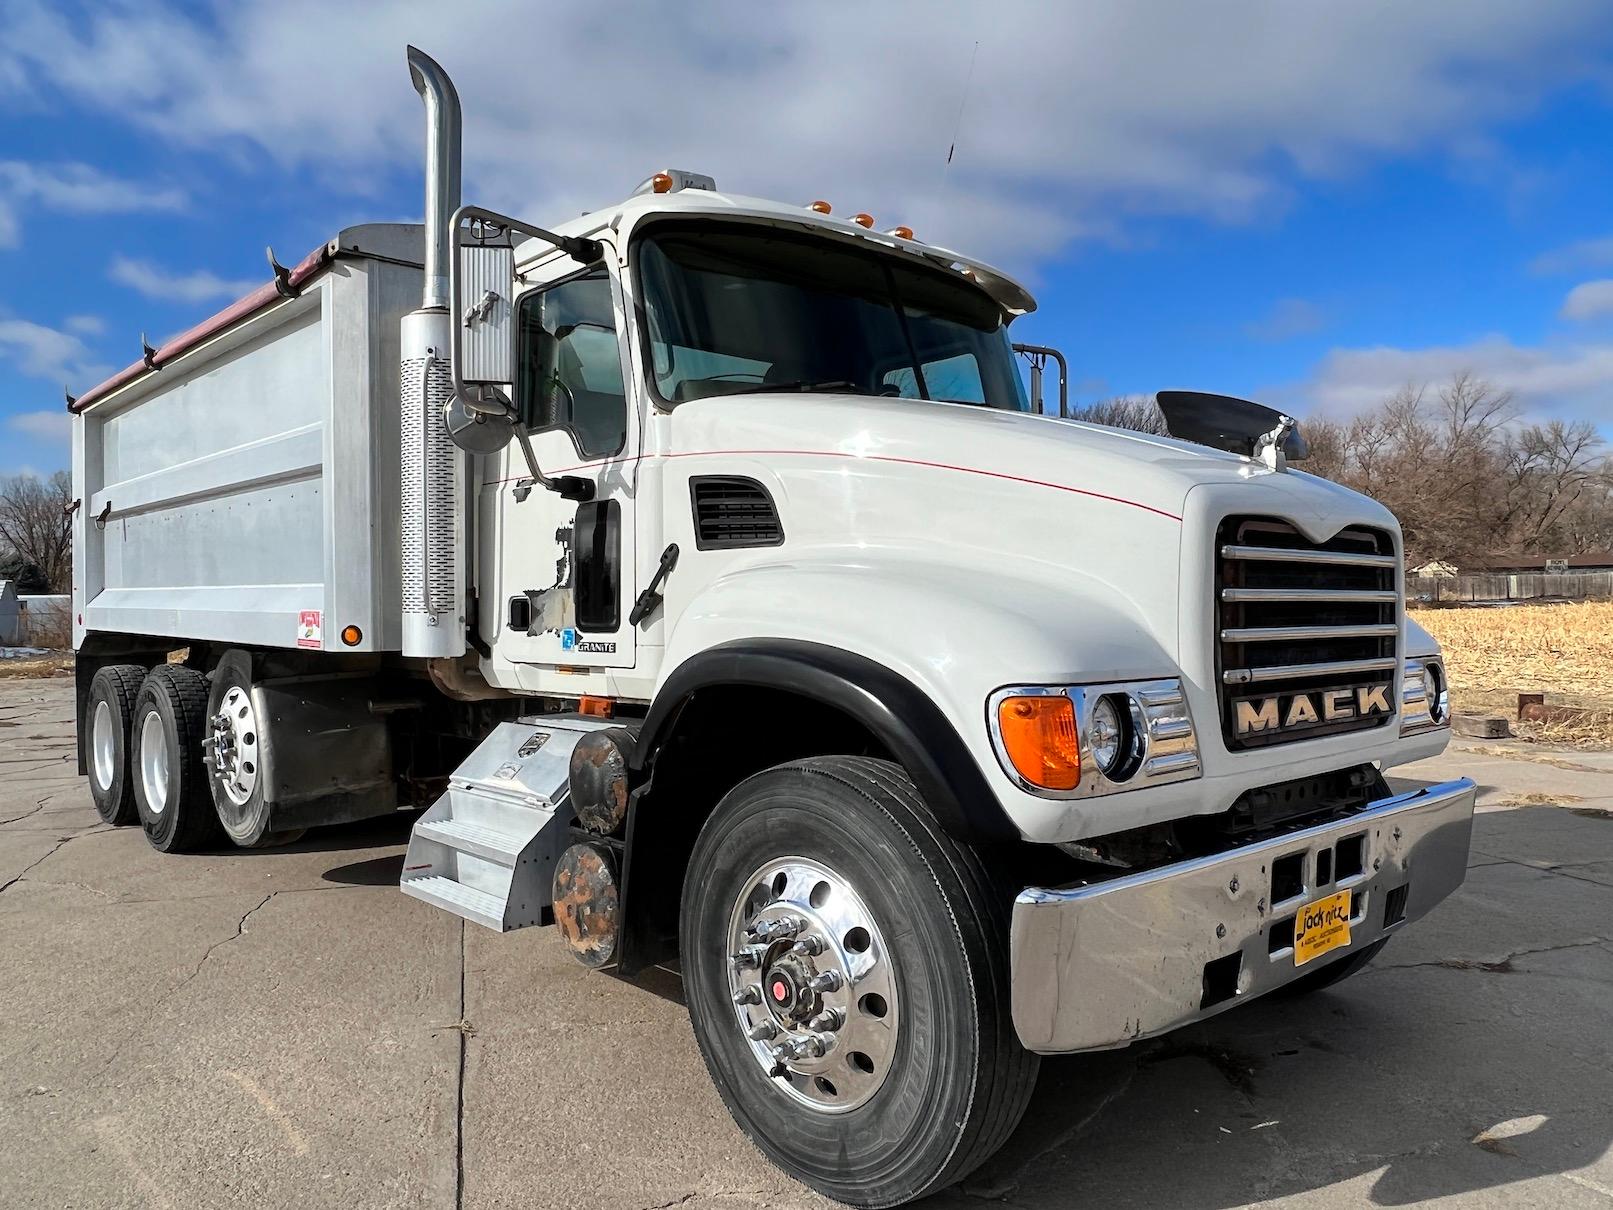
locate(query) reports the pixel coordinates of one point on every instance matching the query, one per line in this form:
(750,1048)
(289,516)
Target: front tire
(169,717)
(868,929)
(109,715)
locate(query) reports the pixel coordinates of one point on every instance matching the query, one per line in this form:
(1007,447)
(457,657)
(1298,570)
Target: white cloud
(49,353)
(74,189)
(1573,380)
(45,426)
(1078,118)
(1588,300)
(85,325)
(1288,318)
(153,281)
(1584,254)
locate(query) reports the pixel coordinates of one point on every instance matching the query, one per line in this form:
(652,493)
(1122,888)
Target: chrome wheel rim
(103,751)
(232,748)
(154,762)
(813,984)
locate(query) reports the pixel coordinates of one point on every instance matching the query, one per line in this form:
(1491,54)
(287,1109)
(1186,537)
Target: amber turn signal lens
(821,207)
(1039,739)
(863,220)
(661,182)
(352,635)
(902,232)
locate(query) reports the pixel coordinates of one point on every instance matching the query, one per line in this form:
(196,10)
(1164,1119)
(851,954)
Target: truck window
(570,365)
(956,378)
(733,308)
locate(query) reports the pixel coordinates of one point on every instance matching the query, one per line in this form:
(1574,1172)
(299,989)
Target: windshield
(755,309)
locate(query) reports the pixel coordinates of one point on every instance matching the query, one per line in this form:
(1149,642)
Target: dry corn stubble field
(1562,650)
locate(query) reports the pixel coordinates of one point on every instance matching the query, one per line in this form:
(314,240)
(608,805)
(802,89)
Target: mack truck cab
(703,570)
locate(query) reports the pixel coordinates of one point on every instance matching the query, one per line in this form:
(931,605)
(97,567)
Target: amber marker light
(1039,739)
(863,220)
(661,182)
(352,635)
(821,206)
(903,232)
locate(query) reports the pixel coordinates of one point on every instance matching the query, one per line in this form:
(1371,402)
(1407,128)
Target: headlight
(1078,741)
(1114,736)
(1425,700)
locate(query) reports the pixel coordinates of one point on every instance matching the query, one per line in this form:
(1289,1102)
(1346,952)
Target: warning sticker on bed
(310,629)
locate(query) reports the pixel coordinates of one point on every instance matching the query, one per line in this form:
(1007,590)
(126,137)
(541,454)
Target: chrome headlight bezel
(1425,698)
(1156,717)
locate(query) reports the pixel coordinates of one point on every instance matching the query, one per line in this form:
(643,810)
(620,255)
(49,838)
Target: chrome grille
(1296,617)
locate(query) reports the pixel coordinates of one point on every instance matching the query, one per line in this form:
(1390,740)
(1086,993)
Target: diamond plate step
(476,906)
(466,837)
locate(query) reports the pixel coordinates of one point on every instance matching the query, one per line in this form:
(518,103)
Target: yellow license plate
(1321,926)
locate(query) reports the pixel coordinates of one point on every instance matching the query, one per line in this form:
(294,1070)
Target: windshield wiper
(806,386)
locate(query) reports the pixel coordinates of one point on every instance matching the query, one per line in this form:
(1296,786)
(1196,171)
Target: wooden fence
(1500,587)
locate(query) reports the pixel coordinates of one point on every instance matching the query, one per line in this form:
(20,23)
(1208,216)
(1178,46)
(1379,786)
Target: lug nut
(809,946)
(812,1046)
(763,1032)
(750,956)
(828,981)
(828,1021)
(748,995)
(772,930)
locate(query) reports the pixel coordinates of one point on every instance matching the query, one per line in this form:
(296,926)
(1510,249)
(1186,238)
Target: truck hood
(1136,469)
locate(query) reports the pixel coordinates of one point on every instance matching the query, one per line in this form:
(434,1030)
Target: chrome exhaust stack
(432,470)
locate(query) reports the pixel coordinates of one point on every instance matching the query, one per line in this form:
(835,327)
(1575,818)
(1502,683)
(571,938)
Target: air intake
(732,512)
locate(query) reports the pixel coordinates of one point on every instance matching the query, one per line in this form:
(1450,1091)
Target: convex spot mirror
(478,432)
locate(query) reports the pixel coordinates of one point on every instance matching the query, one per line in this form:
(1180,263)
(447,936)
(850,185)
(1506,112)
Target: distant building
(1434,567)
(10,615)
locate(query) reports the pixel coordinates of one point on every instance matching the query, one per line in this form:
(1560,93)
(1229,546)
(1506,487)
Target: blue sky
(1306,203)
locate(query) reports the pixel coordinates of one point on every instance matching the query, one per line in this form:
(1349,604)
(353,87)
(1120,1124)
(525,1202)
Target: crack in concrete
(240,929)
(1502,966)
(39,805)
(53,850)
(464,1032)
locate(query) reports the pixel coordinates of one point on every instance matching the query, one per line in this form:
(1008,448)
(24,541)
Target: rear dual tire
(110,715)
(170,719)
(950,1086)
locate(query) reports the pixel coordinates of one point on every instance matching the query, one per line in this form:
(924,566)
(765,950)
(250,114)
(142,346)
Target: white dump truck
(703,570)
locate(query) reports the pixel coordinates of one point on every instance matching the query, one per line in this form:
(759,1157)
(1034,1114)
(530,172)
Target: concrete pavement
(285,1028)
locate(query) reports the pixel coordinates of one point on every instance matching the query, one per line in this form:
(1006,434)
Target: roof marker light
(902,232)
(822,207)
(863,220)
(661,182)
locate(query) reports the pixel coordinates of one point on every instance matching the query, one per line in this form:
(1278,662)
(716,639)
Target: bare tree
(34,524)
(1138,412)
(1467,482)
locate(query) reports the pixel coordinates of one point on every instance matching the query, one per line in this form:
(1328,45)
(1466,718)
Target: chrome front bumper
(1100,966)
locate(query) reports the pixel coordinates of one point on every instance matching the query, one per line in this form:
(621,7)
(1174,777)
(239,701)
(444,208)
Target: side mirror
(1038,356)
(481,304)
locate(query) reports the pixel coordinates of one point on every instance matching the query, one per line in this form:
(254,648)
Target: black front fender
(903,718)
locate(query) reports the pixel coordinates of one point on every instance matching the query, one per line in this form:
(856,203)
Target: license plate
(1321,927)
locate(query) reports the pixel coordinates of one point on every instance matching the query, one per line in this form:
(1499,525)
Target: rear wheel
(845,965)
(110,718)
(234,757)
(169,718)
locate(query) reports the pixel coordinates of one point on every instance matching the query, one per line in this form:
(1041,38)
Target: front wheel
(845,965)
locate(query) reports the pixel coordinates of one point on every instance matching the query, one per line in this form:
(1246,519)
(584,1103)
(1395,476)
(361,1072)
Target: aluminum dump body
(242,486)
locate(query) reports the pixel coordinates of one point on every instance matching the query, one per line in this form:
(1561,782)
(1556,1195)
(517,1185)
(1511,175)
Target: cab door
(566,568)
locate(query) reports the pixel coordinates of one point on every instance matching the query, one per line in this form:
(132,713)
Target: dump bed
(240,484)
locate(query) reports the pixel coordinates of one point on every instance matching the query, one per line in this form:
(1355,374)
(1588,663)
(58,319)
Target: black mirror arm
(567,487)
